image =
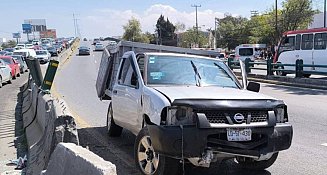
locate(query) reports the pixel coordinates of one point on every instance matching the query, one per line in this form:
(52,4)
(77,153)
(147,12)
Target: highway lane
(306,107)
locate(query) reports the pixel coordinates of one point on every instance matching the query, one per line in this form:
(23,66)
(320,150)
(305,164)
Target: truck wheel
(148,161)
(113,129)
(249,163)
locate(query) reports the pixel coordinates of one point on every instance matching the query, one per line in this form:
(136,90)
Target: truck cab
(189,107)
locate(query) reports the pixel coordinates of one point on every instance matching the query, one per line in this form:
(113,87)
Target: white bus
(308,45)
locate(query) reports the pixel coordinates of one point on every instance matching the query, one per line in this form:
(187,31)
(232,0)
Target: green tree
(232,31)
(9,44)
(188,38)
(133,32)
(166,31)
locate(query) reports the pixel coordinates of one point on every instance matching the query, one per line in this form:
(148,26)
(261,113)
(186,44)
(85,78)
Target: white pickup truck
(186,105)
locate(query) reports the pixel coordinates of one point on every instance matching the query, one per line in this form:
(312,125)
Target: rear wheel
(113,129)
(18,75)
(14,77)
(0,82)
(280,72)
(148,161)
(251,164)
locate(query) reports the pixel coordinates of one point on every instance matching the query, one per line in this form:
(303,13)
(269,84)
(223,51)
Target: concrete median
(69,158)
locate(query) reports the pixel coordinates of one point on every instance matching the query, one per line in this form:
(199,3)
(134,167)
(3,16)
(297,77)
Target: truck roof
(179,55)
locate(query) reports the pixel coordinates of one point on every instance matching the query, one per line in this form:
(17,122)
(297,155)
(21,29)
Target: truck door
(126,98)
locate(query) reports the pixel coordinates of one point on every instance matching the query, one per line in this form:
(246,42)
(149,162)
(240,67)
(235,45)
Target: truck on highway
(187,106)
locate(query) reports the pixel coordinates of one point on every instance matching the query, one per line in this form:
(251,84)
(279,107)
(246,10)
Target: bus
(308,45)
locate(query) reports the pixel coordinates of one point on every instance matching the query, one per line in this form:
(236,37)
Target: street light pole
(196,23)
(276,27)
(324,13)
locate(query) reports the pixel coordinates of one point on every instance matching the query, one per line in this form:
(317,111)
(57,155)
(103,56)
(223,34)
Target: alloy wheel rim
(148,159)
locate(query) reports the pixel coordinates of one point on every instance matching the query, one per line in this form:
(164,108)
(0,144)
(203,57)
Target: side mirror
(253,86)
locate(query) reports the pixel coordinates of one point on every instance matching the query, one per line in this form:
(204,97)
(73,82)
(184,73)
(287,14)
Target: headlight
(180,116)
(281,114)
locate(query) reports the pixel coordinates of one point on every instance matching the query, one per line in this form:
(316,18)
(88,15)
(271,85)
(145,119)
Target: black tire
(249,163)
(281,73)
(14,77)
(10,79)
(0,82)
(159,164)
(113,129)
(18,75)
(306,75)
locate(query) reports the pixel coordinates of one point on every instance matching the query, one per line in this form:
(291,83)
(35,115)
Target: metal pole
(276,27)
(324,13)
(215,45)
(196,23)
(74,24)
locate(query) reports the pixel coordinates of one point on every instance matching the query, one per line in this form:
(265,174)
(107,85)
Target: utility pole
(216,32)
(324,13)
(75,25)
(276,27)
(196,23)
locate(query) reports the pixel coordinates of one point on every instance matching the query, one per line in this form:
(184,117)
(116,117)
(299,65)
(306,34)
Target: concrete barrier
(69,159)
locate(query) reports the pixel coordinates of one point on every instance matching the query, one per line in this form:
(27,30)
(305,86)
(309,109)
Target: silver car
(5,73)
(98,47)
(43,56)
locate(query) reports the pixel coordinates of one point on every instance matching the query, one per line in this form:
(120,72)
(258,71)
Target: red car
(14,65)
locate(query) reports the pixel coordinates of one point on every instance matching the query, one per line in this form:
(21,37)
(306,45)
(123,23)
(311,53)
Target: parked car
(5,73)
(84,39)
(20,59)
(26,53)
(8,54)
(53,51)
(14,65)
(83,50)
(43,56)
(96,40)
(3,52)
(98,47)
(58,47)
(36,42)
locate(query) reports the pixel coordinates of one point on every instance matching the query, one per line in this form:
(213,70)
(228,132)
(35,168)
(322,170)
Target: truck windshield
(178,70)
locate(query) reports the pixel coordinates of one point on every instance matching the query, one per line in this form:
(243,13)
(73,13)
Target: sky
(102,18)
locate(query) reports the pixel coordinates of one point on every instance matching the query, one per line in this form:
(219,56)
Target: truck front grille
(227,117)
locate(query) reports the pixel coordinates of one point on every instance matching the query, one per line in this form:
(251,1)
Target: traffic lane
(307,113)
(76,83)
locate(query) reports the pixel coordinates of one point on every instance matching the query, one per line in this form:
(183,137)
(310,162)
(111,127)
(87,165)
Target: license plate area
(239,134)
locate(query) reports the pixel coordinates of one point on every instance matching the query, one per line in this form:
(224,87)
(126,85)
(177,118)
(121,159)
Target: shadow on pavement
(296,90)
(119,151)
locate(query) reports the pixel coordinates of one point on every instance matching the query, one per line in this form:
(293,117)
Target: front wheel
(249,163)
(280,72)
(113,129)
(148,161)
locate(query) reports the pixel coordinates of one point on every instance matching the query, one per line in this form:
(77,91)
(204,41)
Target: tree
(232,31)
(180,27)
(9,44)
(166,31)
(188,38)
(133,32)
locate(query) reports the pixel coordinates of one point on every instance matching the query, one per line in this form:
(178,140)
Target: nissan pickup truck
(186,106)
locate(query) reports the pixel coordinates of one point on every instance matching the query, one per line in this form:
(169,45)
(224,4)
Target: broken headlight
(180,116)
(281,114)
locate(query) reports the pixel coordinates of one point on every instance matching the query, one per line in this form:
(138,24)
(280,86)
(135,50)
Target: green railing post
(299,68)
(247,65)
(35,70)
(229,63)
(269,66)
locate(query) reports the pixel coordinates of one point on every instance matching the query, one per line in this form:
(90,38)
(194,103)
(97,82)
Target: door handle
(115,91)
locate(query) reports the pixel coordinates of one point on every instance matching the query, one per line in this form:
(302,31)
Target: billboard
(38,25)
(27,28)
(49,33)
(16,35)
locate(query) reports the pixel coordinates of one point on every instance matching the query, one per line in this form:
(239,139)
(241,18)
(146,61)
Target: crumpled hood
(211,92)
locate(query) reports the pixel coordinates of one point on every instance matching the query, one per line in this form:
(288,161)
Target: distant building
(38,26)
(318,21)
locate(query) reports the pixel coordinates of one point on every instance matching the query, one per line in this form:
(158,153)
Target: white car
(98,47)
(29,46)
(20,46)
(5,73)
(43,56)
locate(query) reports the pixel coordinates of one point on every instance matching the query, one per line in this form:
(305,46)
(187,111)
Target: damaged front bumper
(167,140)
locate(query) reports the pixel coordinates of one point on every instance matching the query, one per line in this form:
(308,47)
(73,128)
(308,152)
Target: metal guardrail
(273,67)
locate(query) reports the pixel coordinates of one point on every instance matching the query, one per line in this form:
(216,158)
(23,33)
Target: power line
(196,22)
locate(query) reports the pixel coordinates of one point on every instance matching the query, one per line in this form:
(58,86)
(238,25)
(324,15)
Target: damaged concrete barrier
(69,159)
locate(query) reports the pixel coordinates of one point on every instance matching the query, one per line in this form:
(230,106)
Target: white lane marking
(324,144)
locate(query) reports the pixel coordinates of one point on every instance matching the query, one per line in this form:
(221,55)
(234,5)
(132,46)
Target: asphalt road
(75,82)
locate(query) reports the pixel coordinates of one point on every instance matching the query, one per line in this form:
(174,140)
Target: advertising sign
(27,28)
(16,35)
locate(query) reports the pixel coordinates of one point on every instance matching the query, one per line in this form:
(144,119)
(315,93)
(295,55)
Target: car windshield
(246,51)
(191,71)
(7,60)
(83,47)
(41,52)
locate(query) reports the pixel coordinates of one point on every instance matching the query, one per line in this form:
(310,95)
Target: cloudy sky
(106,17)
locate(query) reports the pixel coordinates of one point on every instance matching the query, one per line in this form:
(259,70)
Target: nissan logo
(238,118)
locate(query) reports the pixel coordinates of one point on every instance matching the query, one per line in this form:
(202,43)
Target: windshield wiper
(198,82)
